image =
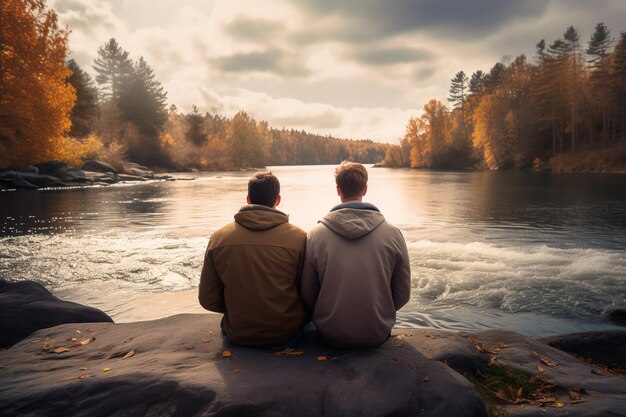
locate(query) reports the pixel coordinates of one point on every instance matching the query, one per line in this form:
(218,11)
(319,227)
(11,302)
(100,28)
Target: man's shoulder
(221,234)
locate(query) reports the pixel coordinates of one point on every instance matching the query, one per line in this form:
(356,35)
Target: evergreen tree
(194,133)
(85,109)
(598,52)
(113,69)
(458,87)
(477,82)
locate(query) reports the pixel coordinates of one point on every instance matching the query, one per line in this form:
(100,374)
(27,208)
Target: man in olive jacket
(357,269)
(252,269)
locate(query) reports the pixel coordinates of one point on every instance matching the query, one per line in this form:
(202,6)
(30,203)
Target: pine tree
(598,52)
(86,108)
(477,82)
(113,69)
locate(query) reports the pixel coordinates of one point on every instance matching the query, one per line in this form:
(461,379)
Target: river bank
(182,365)
(56,174)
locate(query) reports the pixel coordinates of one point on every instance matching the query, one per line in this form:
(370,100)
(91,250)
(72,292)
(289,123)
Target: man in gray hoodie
(357,270)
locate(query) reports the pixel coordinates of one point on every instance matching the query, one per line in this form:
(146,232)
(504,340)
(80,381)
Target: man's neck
(352,199)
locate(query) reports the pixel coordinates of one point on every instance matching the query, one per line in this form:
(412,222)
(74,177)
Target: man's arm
(401,278)
(211,289)
(310,284)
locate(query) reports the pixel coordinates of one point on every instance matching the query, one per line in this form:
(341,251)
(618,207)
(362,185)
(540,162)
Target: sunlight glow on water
(487,249)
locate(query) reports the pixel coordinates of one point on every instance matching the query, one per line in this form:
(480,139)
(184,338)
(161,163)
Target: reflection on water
(487,248)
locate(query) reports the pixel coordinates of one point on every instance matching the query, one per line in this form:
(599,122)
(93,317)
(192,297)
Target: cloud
(390,56)
(253,30)
(270,61)
(365,20)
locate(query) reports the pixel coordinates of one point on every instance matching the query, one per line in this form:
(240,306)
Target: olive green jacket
(251,273)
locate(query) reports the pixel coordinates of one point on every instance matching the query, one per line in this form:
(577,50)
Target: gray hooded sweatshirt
(356,276)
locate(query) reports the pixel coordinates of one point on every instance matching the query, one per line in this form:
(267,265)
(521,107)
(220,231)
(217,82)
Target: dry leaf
(573,395)
(559,405)
(534,354)
(540,368)
(321,358)
(82,369)
(401,336)
(72,339)
(227,354)
(426,379)
(491,361)
(78,331)
(106,369)
(79,377)
(547,362)
(129,354)
(576,401)
(61,350)
(289,352)
(84,342)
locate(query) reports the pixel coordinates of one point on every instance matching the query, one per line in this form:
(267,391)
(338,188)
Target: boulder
(131,168)
(27,306)
(15,179)
(98,166)
(52,168)
(183,366)
(618,316)
(101,177)
(605,348)
(71,174)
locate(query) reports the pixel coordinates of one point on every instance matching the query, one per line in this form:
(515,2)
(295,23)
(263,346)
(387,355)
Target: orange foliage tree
(35,98)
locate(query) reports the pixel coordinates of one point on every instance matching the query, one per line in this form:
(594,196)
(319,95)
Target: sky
(349,68)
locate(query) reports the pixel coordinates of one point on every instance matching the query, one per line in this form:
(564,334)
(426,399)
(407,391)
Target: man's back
(256,260)
(358,264)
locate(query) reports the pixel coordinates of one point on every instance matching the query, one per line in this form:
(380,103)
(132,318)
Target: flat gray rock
(178,367)
(604,348)
(605,392)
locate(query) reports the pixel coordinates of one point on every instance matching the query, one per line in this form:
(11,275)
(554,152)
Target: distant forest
(564,109)
(567,108)
(51,109)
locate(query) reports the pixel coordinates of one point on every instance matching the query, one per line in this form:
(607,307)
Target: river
(539,253)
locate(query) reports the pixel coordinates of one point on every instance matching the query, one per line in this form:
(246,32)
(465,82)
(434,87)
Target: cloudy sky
(349,68)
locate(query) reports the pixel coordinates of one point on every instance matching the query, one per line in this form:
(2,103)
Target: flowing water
(540,253)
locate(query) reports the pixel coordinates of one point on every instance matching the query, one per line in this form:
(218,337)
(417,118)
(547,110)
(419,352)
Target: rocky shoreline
(182,365)
(54,174)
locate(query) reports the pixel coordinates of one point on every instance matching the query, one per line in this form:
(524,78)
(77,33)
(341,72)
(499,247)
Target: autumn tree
(85,109)
(35,98)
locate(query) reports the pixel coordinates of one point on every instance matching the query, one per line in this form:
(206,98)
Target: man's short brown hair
(351,178)
(263,189)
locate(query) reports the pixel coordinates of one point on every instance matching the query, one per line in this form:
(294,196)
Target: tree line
(53,109)
(569,99)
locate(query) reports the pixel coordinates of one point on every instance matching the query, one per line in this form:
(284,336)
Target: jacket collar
(355,205)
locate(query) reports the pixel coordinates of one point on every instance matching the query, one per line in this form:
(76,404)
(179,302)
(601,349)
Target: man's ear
(338,191)
(277,201)
(248,199)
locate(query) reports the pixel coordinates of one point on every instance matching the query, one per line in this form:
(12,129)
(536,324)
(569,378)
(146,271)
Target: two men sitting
(349,275)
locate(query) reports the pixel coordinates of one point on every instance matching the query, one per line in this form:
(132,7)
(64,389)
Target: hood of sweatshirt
(258,217)
(353,223)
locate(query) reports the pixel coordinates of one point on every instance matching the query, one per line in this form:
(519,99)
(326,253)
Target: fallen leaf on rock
(429,335)
(227,354)
(79,377)
(573,395)
(559,405)
(491,360)
(401,336)
(540,368)
(426,378)
(321,358)
(106,369)
(84,342)
(534,354)
(72,339)
(289,352)
(91,330)
(61,350)
(78,331)
(547,362)
(576,401)
(129,354)
(82,369)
